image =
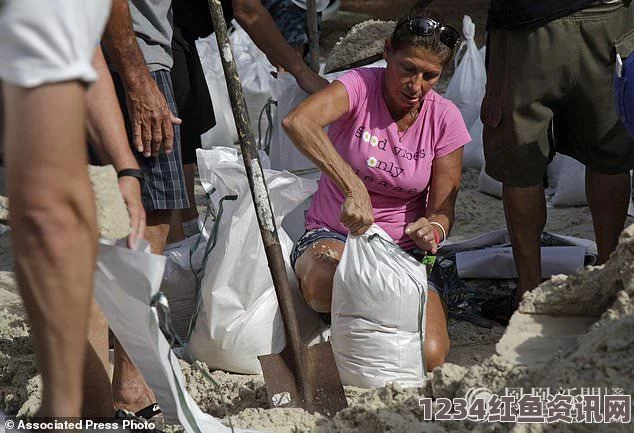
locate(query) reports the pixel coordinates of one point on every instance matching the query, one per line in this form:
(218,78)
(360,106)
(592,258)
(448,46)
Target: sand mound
(364,40)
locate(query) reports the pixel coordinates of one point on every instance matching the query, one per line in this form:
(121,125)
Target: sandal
(142,417)
(500,309)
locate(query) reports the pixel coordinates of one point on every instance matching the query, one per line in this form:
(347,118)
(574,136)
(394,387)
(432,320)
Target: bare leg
(436,333)
(54,232)
(315,269)
(525,210)
(98,401)
(129,389)
(608,198)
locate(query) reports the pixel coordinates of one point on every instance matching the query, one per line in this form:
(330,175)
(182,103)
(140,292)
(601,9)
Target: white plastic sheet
(467,86)
(239,317)
(125,283)
(378,313)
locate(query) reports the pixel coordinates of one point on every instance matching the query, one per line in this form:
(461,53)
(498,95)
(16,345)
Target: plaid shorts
(291,21)
(164,185)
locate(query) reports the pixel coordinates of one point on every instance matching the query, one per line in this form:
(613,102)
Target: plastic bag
(467,86)
(239,317)
(488,185)
(224,133)
(126,285)
(378,313)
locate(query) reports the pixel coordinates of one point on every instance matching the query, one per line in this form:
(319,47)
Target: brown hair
(403,37)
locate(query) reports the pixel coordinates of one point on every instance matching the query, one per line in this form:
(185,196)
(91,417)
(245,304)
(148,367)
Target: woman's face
(411,72)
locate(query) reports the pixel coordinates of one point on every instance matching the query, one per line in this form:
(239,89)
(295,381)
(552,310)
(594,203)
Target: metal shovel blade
(314,386)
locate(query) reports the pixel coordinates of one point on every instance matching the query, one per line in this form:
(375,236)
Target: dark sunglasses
(423,26)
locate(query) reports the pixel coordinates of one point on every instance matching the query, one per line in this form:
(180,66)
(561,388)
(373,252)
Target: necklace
(412,118)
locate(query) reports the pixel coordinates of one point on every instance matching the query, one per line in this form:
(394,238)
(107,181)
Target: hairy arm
(150,116)
(259,24)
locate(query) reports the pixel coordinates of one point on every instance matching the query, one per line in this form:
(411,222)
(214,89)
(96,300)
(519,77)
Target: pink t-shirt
(395,167)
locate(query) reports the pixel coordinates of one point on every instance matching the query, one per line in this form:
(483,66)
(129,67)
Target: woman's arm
(304,125)
(446,174)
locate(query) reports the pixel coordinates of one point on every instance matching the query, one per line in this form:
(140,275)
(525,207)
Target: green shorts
(560,72)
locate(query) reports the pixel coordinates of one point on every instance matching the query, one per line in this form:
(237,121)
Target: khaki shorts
(563,72)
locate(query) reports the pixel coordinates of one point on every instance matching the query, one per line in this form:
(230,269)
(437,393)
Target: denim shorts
(434,279)
(291,21)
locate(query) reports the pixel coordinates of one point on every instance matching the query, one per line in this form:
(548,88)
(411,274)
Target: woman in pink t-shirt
(392,156)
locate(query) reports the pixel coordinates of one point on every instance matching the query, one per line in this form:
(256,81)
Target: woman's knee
(436,350)
(316,287)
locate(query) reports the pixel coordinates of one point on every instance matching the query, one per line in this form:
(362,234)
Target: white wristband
(442,230)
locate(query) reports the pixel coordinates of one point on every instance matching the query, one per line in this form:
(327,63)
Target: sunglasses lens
(422,26)
(449,37)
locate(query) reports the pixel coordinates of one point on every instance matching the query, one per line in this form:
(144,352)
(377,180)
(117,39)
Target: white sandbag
(239,317)
(224,133)
(254,70)
(488,185)
(125,284)
(467,86)
(473,151)
(378,313)
(566,182)
(179,281)
(284,154)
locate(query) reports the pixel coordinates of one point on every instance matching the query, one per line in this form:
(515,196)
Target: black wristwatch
(133,172)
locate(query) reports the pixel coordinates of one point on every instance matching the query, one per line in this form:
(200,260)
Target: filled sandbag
(238,317)
(378,313)
(467,86)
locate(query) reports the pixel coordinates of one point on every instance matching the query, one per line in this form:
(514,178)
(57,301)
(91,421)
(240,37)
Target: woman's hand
(422,233)
(356,212)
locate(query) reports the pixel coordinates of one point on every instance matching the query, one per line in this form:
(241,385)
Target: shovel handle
(257,184)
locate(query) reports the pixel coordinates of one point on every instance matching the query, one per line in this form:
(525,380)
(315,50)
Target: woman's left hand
(422,233)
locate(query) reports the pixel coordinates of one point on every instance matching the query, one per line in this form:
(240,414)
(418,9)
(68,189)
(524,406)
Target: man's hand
(422,233)
(130,189)
(309,81)
(151,119)
(356,212)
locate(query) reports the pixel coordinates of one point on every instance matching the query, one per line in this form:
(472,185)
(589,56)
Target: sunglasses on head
(423,26)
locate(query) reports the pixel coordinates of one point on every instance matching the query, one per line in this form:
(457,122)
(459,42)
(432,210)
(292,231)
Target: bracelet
(444,234)
(132,172)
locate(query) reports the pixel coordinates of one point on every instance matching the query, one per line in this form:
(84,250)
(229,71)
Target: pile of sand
(364,40)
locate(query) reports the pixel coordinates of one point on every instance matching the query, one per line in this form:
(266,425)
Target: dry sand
(601,356)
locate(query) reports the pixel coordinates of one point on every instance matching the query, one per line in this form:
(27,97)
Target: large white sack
(488,185)
(378,313)
(125,284)
(254,70)
(474,151)
(284,154)
(239,317)
(179,280)
(467,86)
(566,182)
(224,133)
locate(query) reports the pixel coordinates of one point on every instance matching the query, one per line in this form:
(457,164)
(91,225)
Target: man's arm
(259,24)
(107,134)
(150,116)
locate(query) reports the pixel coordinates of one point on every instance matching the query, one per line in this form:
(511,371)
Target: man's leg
(54,232)
(98,401)
(190,213)
(525,210)
(608,198)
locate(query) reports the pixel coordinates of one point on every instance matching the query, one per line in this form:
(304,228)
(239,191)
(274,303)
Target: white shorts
(48,41)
